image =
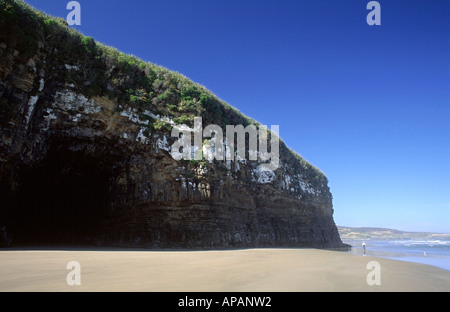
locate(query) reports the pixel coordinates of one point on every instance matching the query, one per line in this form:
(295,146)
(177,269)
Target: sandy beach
(276,270)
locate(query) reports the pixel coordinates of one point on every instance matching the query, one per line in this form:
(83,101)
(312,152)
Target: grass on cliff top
(105,71)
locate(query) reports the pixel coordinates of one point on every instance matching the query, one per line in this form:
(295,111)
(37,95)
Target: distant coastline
(420,247)
(375,233)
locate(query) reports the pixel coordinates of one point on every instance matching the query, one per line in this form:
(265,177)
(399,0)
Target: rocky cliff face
(85,154)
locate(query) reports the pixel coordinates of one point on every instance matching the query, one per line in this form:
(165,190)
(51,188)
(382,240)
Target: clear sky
(368,105)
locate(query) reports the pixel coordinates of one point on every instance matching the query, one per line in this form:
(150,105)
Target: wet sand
(209,271)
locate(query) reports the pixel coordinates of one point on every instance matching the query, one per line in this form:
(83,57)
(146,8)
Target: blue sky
(368,105)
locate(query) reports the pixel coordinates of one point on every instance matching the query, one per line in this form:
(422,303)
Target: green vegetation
(162,126)
(156,125)
(139,97)
(19,25)
(89,45)
(104,71)
(183,119)
(315,176)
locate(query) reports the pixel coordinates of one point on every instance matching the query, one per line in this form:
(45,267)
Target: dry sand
(199,271)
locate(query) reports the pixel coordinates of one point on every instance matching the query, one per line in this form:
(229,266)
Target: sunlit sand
(200,271)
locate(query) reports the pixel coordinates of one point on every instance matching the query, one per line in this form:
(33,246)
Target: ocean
(431,252)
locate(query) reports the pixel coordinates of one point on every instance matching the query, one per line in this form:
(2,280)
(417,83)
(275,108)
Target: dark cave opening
(61,201)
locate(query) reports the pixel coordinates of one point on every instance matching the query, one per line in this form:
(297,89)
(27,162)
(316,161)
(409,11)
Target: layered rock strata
(80,165)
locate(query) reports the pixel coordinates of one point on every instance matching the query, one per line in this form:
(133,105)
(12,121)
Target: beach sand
(275,270)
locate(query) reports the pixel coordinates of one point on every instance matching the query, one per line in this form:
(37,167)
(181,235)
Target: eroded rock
(81,166)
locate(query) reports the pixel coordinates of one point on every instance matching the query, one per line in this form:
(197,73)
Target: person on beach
(364,247)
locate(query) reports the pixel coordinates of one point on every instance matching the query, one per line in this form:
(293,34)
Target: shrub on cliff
(20,27)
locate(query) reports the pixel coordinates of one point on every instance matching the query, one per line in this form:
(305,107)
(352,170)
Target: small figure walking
(364,247)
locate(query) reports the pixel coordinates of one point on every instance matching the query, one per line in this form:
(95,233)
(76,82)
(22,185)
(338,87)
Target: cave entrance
(61,201)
